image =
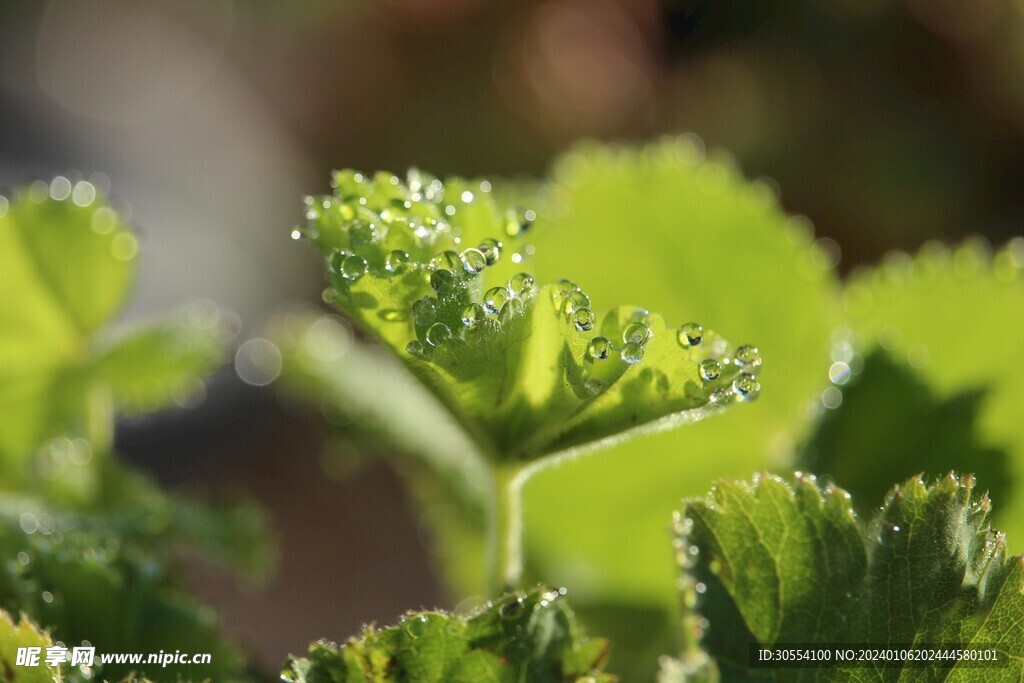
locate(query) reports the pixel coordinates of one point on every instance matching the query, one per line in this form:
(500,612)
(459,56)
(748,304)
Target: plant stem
(506,529)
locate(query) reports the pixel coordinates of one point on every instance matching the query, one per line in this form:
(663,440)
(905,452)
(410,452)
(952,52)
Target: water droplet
(746,387)
(397,261)
(599,348)
(632,352)
(491,249)
(594,385)
(720,397)
(565,287)
(512,609)
(472,314)
(414,348)
(689,335)
(447,260)
(710,370)
(495,299)
(438,334)
(442,280)
(520,284)
(362,233)
(473,260)
(335,259)
(424,311)
(748,357)
(637,333)
(353,267)
(576,300)
(415,627)
(584,319)
(640,316)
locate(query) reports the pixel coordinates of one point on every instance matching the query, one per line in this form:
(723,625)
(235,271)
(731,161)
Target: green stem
(506,528)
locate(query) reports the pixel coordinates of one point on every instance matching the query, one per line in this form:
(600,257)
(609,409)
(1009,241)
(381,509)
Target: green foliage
(921,309)
(69,266)
(695,240)
(88,544)
(23,634)
(90,580)
(521,637)
(517,358)
(687,235)
(775,562)
(707,246)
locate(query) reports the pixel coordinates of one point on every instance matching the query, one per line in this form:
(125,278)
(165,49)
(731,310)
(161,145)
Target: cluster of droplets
(475,317)
(386,225)
(691,590)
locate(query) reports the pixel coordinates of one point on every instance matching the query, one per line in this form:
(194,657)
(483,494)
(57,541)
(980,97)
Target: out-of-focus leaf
(890,426)
(66,270)
(775,563)
(69,260)
(924,309)
(24,634)
(527,370)
(80,574)
(522,637)
(158,365)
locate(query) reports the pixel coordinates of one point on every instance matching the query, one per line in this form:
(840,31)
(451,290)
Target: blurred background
(887,122)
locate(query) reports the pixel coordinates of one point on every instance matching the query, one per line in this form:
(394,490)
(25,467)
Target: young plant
(531,372)
(858,366)
(88,543)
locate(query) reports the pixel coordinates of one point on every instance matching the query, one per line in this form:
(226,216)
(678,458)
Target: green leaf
(696,241)
(890,426)
(776,563)
(922,310)
(159,364)
(106,579)
(522,637)
(69,263)
(24,634)
(516,359)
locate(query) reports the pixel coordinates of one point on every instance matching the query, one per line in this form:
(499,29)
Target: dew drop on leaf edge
(414,348)
(748,356)
(746,387)
(689,335)
(710,369)
(520,284)
(491,249)
(353,267)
